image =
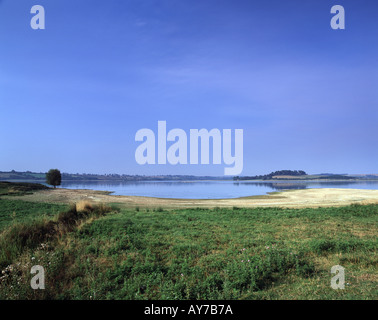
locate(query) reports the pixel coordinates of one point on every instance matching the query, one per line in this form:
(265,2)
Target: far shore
(196,180)
(305,198)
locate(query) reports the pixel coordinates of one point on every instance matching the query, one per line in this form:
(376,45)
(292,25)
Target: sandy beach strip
(307,198)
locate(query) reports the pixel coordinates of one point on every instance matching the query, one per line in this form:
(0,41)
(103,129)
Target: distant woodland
(34,176)
(295,174)
(276,175)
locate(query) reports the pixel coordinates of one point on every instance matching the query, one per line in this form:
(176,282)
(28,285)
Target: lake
(211,189)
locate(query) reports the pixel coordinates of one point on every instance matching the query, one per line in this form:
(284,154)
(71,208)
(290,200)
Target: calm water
(210,189)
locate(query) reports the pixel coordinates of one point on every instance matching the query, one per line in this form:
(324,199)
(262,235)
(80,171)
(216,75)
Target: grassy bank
(18,211)
(262,253)
(19,188)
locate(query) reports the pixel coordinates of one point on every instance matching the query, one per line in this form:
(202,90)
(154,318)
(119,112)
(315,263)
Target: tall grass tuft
(84,206)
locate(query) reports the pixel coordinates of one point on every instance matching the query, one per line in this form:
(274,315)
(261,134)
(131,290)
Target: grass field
(99,252)
(17,211)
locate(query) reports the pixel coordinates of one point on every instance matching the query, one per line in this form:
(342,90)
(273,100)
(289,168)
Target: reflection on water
(210,189)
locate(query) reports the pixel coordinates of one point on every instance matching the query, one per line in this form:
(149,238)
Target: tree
(53,177)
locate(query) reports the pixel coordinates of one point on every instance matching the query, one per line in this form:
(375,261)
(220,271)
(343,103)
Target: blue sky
(72,96)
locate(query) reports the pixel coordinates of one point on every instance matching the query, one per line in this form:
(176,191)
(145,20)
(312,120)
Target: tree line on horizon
(41,176)
(272,174)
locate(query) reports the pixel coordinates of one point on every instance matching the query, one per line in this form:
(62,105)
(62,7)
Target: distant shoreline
(199,180)
(276,176)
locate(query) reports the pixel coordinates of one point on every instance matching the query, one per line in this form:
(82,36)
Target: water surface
(210,189)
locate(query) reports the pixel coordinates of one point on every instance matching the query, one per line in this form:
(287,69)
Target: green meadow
(108,252)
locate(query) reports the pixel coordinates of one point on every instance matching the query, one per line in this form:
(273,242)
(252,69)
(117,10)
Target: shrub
(68,218)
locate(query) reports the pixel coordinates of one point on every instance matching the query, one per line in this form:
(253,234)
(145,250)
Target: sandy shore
(307,198)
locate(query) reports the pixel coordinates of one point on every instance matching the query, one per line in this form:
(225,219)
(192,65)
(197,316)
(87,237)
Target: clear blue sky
(72,96)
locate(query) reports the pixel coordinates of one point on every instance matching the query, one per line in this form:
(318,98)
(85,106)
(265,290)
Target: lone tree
(53,177)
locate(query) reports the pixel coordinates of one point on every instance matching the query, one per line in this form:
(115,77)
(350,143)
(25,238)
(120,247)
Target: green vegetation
(262,253)
(54,177)
(20,237)
(18,189)
(39,176)
(18,211)
(28,175)
(298,175)
(292,173)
